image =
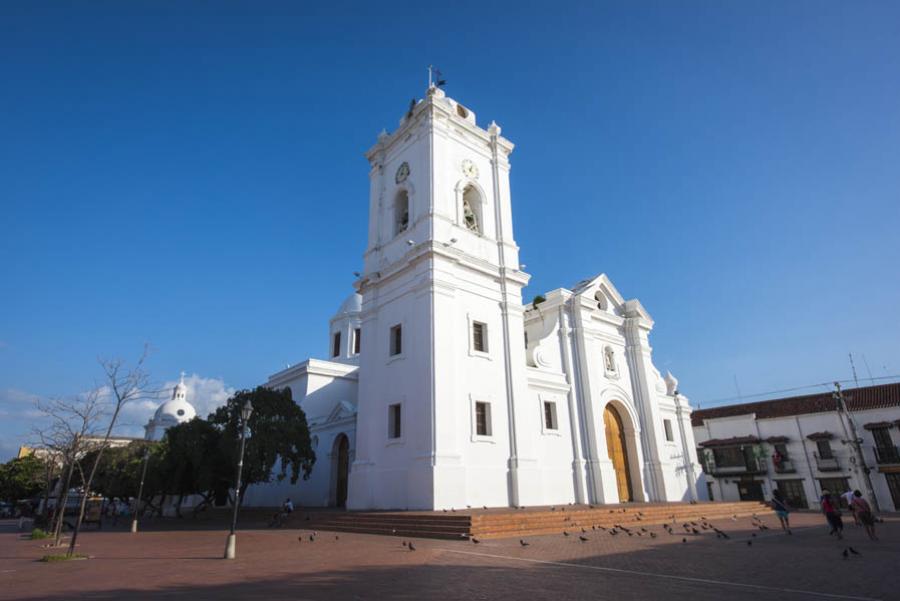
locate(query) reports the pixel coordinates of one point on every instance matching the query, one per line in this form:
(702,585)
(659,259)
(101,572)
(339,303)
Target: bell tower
(442,368)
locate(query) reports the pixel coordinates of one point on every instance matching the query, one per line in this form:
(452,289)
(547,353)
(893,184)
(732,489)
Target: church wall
(466,377)
(395,473)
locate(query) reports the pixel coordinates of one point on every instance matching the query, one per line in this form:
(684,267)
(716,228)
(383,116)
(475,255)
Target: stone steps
(508,523)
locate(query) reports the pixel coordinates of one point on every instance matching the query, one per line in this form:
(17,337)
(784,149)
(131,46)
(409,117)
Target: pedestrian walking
(848,498)
(782,510)
(832,514)
(863,511)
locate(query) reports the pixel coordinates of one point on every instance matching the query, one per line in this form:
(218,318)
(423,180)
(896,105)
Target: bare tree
(124,385)
(67,425)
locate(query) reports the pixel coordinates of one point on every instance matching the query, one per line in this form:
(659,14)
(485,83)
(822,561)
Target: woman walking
(863,511)
(782,510)
(832,514)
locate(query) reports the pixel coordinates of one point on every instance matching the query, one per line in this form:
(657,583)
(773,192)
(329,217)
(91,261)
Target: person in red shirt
(832,514)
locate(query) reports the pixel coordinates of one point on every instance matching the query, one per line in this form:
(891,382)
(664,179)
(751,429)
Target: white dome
(171,413)
(174,412)
(352,304)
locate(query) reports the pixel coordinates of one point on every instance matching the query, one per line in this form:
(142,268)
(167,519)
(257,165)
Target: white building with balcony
(802,445)
(443,388)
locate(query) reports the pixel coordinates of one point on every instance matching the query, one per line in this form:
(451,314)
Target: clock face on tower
(402,173)
(469,169)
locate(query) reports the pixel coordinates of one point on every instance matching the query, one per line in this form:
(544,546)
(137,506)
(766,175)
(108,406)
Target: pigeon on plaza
(753,534)
(523,543)
(565,533)
(749,543)
(583,539)
(845,554)
(312,538)
(404,543)
(583,531)
(411,546)
(336,537)
(684,540)
(652,535)
(300,539)
(475,540)
(854,551)
(695,531)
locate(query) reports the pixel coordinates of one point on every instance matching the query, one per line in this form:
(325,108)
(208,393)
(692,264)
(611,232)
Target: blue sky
(191,175)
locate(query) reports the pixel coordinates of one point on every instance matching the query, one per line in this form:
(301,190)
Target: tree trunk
(61,501)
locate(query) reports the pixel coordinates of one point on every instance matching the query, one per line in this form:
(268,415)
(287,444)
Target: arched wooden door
(343,471)
(618,453)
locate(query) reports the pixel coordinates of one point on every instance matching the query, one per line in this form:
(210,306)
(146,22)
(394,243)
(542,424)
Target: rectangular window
(882,438)
(394,421)
(550,416)
(336,345)
(483,419)
(793,492)
(479,336)
(667,424)
(729,457)
(357,334)
(824,447)
(396,340)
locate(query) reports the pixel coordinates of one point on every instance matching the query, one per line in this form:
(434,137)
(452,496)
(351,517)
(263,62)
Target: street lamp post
(137,503)
(246,411)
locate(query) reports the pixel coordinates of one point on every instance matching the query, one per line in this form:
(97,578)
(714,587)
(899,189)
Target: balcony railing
(785,466)
(827,464)
(750,466)
(887,455)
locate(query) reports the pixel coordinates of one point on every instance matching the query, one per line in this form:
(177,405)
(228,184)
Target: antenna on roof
(853,369)
(869,371)
(738,388)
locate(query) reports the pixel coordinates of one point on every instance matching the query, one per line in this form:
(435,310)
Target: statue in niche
(610,360)
(469,217)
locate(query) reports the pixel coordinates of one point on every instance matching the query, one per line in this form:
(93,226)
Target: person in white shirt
(848,498)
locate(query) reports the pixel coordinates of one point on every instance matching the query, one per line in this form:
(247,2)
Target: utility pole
(856,441)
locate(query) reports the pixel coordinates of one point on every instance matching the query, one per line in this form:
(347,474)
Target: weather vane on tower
(435,77)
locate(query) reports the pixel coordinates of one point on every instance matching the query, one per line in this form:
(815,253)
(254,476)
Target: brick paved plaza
(272,564)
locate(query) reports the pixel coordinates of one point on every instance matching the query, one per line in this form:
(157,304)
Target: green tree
(22,478)
(192,461)
(119,471)
(279,444)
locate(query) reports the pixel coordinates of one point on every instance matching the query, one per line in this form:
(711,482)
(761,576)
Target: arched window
(401,212)
(609,360)
(471,209)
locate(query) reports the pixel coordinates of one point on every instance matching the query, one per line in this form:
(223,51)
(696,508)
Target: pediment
(601,291)
(341,410)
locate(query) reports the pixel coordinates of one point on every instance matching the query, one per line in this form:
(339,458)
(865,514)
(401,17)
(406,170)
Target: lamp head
(246,411)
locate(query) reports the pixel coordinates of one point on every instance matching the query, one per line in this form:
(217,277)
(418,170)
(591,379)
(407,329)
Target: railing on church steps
(827,464)
(785,466)
(887,455)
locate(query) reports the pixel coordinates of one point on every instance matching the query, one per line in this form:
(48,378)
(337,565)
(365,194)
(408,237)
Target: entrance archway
(618,451)
(341,456)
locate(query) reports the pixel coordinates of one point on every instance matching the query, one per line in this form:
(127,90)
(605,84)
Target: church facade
(443,389)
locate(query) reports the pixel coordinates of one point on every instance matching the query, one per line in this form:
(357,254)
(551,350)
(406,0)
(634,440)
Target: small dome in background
(352,304)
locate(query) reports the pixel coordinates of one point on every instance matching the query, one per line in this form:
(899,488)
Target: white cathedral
(442,389)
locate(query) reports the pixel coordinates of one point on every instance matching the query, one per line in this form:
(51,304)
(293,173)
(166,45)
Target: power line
(827,385)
